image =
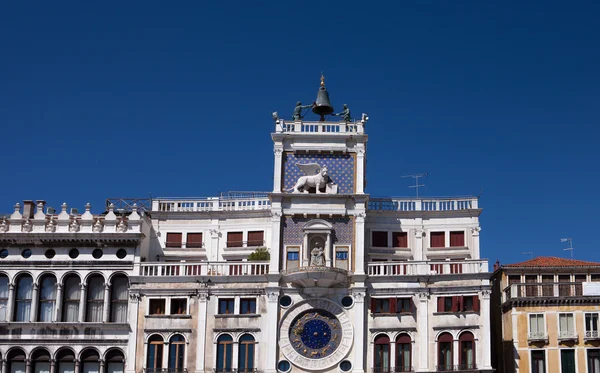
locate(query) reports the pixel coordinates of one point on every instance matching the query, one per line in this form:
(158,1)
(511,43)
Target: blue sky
(136,98)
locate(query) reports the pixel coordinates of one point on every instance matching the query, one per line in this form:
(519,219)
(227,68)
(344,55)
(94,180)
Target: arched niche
(317,233)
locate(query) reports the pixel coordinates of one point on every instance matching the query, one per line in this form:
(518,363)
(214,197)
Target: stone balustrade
(355,126)
(163,269)
(210,204)
(429,267)
(422,204)
(24,221)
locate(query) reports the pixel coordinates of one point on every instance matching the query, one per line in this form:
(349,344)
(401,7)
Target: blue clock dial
(315,334)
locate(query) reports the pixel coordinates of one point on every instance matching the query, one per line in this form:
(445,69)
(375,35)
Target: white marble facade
(352,283)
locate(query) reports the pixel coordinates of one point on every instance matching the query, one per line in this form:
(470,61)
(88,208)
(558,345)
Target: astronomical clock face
(316,334)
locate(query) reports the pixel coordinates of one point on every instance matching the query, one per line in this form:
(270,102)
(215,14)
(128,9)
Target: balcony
(422,204)
(567,336)
(165,370)
(188,269)
(533,337)
(246,202)
(420,268)
(591,335)
(457,368)
(234,370)
(543,290)
(393,370)
(316,276)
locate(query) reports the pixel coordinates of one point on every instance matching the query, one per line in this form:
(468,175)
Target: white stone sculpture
(122,227)
(3,226)
(27,226)
(317,256)
(73,227)
(97,226)
(51,226)
(315,177)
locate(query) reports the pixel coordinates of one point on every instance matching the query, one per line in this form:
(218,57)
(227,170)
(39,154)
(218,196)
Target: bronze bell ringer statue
(322,106)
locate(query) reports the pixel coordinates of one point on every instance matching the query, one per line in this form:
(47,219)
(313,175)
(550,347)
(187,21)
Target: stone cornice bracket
(424,296)
(419,233)
(486,294)
(202,295)
(475,231)
(360,217)
(135,297)
(214,232)
(275,216)
(278,151)
(272,294)
(359,294)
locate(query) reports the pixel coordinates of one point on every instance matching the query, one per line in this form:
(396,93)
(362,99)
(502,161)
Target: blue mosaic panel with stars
(340,167)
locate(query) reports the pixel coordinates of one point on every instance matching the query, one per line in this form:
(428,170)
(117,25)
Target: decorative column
(235,351)
(423,333)
(392,354)
(4,365)
(278,151)
(474,249)
(77,366)
(132,318)
(59,303)
(359,250)
(52,366)
(201,338)
(275,238)
(101,370)
(82,303)
(11,302)
(34,304)
(360,168)
(418,252)
(106,306)
(27,365)
(214,242)
(359,293)
(485,330)
(272,315)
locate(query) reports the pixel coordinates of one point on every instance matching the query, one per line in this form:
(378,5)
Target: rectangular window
(403,305)
(579,279)
(235,239)
(173,240)
(593,360)
(248,306)
(567,361)
(591,325)
(399,239)
(547,287)
(380,305)
(256,238)
(178,306)
(156,307)
(537,329)
(457,239)
(437,239)
(531,289)
(467,303)
(226,306)
(566,325)
(447,304)
(564,289)
(341,255)
(380,239)
(194,240)
(595,278)
(293,255)
(538,361)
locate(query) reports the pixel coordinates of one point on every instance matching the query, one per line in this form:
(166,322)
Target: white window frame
(168,305)
(545,358)
(558,323)
(560,358)
(293,248)
(529,323)
(341,248)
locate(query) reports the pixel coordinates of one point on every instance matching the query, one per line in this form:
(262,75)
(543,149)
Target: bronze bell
(322,105)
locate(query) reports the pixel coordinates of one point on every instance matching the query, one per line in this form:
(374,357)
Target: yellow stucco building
(545,316)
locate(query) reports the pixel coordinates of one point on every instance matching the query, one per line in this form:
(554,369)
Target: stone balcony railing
(537,337)
(355,126)
(543,290)
(211,204)
(442,267)
(50,222)
(591,334)
(567,335)
(422,204)
(162,269)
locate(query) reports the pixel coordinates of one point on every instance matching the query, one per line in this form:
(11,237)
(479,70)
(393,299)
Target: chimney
(28,209)
(496,265)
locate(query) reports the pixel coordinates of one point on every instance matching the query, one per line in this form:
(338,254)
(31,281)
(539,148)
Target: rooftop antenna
(416,177)
(570,248)
(528,253)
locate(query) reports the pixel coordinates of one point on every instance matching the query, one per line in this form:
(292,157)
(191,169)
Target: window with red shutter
(256,238)
(173,240)
(392,305)
(441,303)
(194,240)
(455,304)
(437,239)
(380,239)
(235,239)
(475,303)
(457,239)
(399,239)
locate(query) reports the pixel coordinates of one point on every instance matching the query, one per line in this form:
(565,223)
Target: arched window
(176,353)
(467,351)
(115,361)
(95,299)
(65,359)
(23,300)
(90,361)
(118,299)
(381,354)
(71,298)
(445,361)
(154,357)
(3,297)
(41,361)
(246,354)
(224,353)
(403,353)
(47,298)
(16,361)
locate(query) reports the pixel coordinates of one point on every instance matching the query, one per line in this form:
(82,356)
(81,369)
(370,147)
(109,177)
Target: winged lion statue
(315,177)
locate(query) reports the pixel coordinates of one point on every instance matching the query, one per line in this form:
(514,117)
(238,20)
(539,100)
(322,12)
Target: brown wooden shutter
(457,239)
(393,303)
(476,303)
(399,239)
(194,240)
(440,304)
(234,239)
(256,238)
(412,306)
(373,305)
(437,239)
(455,304)
(173,240)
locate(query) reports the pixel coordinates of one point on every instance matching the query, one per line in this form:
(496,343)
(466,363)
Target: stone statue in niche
(317,256)
(316,177)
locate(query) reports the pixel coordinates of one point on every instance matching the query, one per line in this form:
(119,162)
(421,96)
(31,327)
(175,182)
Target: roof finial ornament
(322,80)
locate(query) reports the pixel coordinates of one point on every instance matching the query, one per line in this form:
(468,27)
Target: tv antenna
(416,177)
(528,253)
(570,248)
